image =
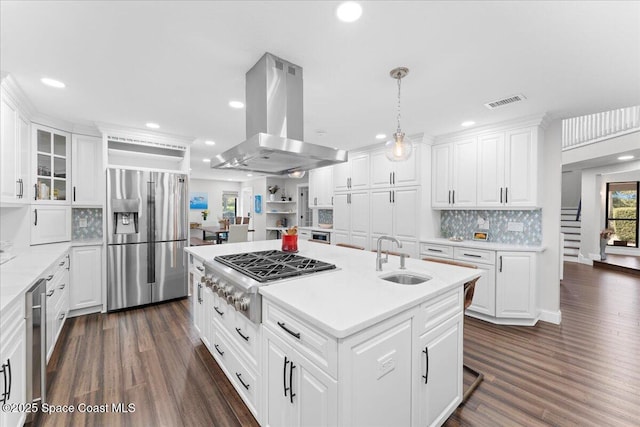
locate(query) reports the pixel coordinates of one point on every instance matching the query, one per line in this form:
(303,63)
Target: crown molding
(541,120)
(17,95)
(109,129)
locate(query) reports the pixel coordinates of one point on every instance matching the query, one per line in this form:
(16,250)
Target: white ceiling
(179,63)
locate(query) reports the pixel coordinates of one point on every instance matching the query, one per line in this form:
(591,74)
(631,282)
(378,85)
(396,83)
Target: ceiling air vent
(508,100)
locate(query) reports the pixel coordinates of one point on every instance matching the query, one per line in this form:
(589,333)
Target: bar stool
(469,289)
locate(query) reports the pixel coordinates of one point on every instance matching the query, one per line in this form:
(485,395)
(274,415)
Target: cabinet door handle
(506,194)
(220,352)
(74,193)
(239,331)
(61,287)
(291,393)
(315,201)
(453,197)
(331,200)
(199,293)
(349,183)
(50,293)
(61,316)
(394,196)
(61,263)
(49,277)
(389,196)
(199,268)
(6,373)
(500,194)
(284,376)
(500,268)
(242,382)
(449,196)
(390,181)
(221,313)
(35,221)
(35,191)
(434,250)
(295,334)
(473,255)
(426,369)
(394,178)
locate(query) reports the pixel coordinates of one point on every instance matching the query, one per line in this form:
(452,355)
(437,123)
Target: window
(622,213)
(229,206)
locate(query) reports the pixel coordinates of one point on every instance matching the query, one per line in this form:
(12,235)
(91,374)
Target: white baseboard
(549,316)
(583,260)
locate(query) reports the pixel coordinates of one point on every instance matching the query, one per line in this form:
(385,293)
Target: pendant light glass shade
(297,174)
(399,148)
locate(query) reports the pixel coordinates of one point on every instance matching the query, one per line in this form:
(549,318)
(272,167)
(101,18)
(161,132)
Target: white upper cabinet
(352,175)
(51,165)
(396,213)
(14,152)
(87,175)
(321,187)
(454,174)
(507,169)
(385,173)
(50,224)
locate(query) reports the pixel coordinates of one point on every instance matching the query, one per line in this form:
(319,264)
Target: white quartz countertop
(29,264)
(353,297)
(491,246)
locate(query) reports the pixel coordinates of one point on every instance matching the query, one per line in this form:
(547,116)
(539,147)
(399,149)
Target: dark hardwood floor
(585,372)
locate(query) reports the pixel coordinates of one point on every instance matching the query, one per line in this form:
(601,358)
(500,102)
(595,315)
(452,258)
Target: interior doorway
(305,214)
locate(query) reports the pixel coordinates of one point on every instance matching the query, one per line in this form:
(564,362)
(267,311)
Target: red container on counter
(290,243)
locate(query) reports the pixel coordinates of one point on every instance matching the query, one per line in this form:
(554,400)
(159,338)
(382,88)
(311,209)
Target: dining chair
(245,220)
(469,289)
(238,233)
(347,245)
(238,220)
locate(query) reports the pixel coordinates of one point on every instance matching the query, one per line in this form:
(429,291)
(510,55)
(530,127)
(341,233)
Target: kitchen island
(344,347)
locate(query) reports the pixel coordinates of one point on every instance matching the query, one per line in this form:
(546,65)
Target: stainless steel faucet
(379,260)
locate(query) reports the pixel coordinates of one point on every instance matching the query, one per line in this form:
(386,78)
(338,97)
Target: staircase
(571,229)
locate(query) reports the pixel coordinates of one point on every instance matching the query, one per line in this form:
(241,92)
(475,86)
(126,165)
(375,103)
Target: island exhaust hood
(274,125)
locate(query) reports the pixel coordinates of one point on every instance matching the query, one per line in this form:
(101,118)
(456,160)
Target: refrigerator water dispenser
(125,216)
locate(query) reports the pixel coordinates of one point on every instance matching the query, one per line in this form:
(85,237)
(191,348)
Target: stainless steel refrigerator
(147,231)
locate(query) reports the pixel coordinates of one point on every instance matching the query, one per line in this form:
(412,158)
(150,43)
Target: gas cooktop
(265,266)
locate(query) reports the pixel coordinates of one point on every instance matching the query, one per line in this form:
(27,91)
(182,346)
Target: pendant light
(297,174)
(398,148)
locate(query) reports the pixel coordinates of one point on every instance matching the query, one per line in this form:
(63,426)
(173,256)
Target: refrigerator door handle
(151,252)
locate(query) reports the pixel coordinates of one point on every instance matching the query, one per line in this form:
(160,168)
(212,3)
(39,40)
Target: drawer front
(475,255)
(308,341)
(442,251)
(439,309)
(247,335)
(244,379)
(197,265)
(222,312)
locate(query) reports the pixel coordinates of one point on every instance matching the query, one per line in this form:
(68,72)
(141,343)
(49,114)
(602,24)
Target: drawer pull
(239,331)
(295,334)
(61,287)
(426,372)
(199,268)
(221,313)
(50,292)
(473,255)
(50,277)
(61,264)
(284,376)
(220,352)
(434,250)
(242,382)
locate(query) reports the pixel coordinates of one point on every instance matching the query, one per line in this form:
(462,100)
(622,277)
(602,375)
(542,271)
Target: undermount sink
(405,278)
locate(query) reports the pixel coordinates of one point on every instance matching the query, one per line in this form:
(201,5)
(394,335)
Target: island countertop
(353,297)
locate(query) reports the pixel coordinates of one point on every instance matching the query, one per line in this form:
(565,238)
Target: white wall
(617,145)
(429,218)
(214,189)
(571,188)
(593,206)
(551,194)
(15,226)
(258,186)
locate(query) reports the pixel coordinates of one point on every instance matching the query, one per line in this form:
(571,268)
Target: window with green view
(229,206)
(622,213)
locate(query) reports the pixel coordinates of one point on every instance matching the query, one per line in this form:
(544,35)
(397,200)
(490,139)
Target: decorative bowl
(325,225)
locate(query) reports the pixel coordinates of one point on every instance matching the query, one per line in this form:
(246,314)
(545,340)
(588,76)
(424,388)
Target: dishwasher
(35,314)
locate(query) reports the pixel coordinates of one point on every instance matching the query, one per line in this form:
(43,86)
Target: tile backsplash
(93,228)
(464,223)
(325,216)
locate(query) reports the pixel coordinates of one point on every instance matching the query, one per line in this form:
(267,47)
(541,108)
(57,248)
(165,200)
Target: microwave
(321,235)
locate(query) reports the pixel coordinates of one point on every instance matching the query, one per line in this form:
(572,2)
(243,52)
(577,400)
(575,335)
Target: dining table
(218,233)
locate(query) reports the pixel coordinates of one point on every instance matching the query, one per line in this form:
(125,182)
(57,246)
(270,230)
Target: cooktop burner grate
(265,266)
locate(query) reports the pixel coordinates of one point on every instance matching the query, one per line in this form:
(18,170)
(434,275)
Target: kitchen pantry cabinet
(353,174)
(87,176)
(396,213)
(351,218)
(507,168)
(385,173)
(85,295)
(321,187)
(14,154)
(50,224)
(13,372)
(51,163)
(454,174)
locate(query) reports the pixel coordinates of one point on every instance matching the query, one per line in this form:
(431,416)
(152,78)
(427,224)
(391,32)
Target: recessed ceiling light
(210,142)
(52,82)
(349,11)
(206,160)
(236,104)
(467,123)
(627,157)
(151,125)
(249,174)
(381,136)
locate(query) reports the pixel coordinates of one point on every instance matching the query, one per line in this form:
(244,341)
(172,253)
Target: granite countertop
(353,297)
(22,271)
(492,246)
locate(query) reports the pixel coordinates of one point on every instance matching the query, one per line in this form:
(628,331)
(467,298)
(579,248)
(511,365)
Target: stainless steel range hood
(274,125)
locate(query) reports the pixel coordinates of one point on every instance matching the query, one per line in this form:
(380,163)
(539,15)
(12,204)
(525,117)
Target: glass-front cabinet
(52,162)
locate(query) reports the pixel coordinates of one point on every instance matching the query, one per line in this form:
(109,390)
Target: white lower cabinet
(56,301)
(515,285)
(198,306)
(86,279)
(297,393)
(50,224)
(12,363)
